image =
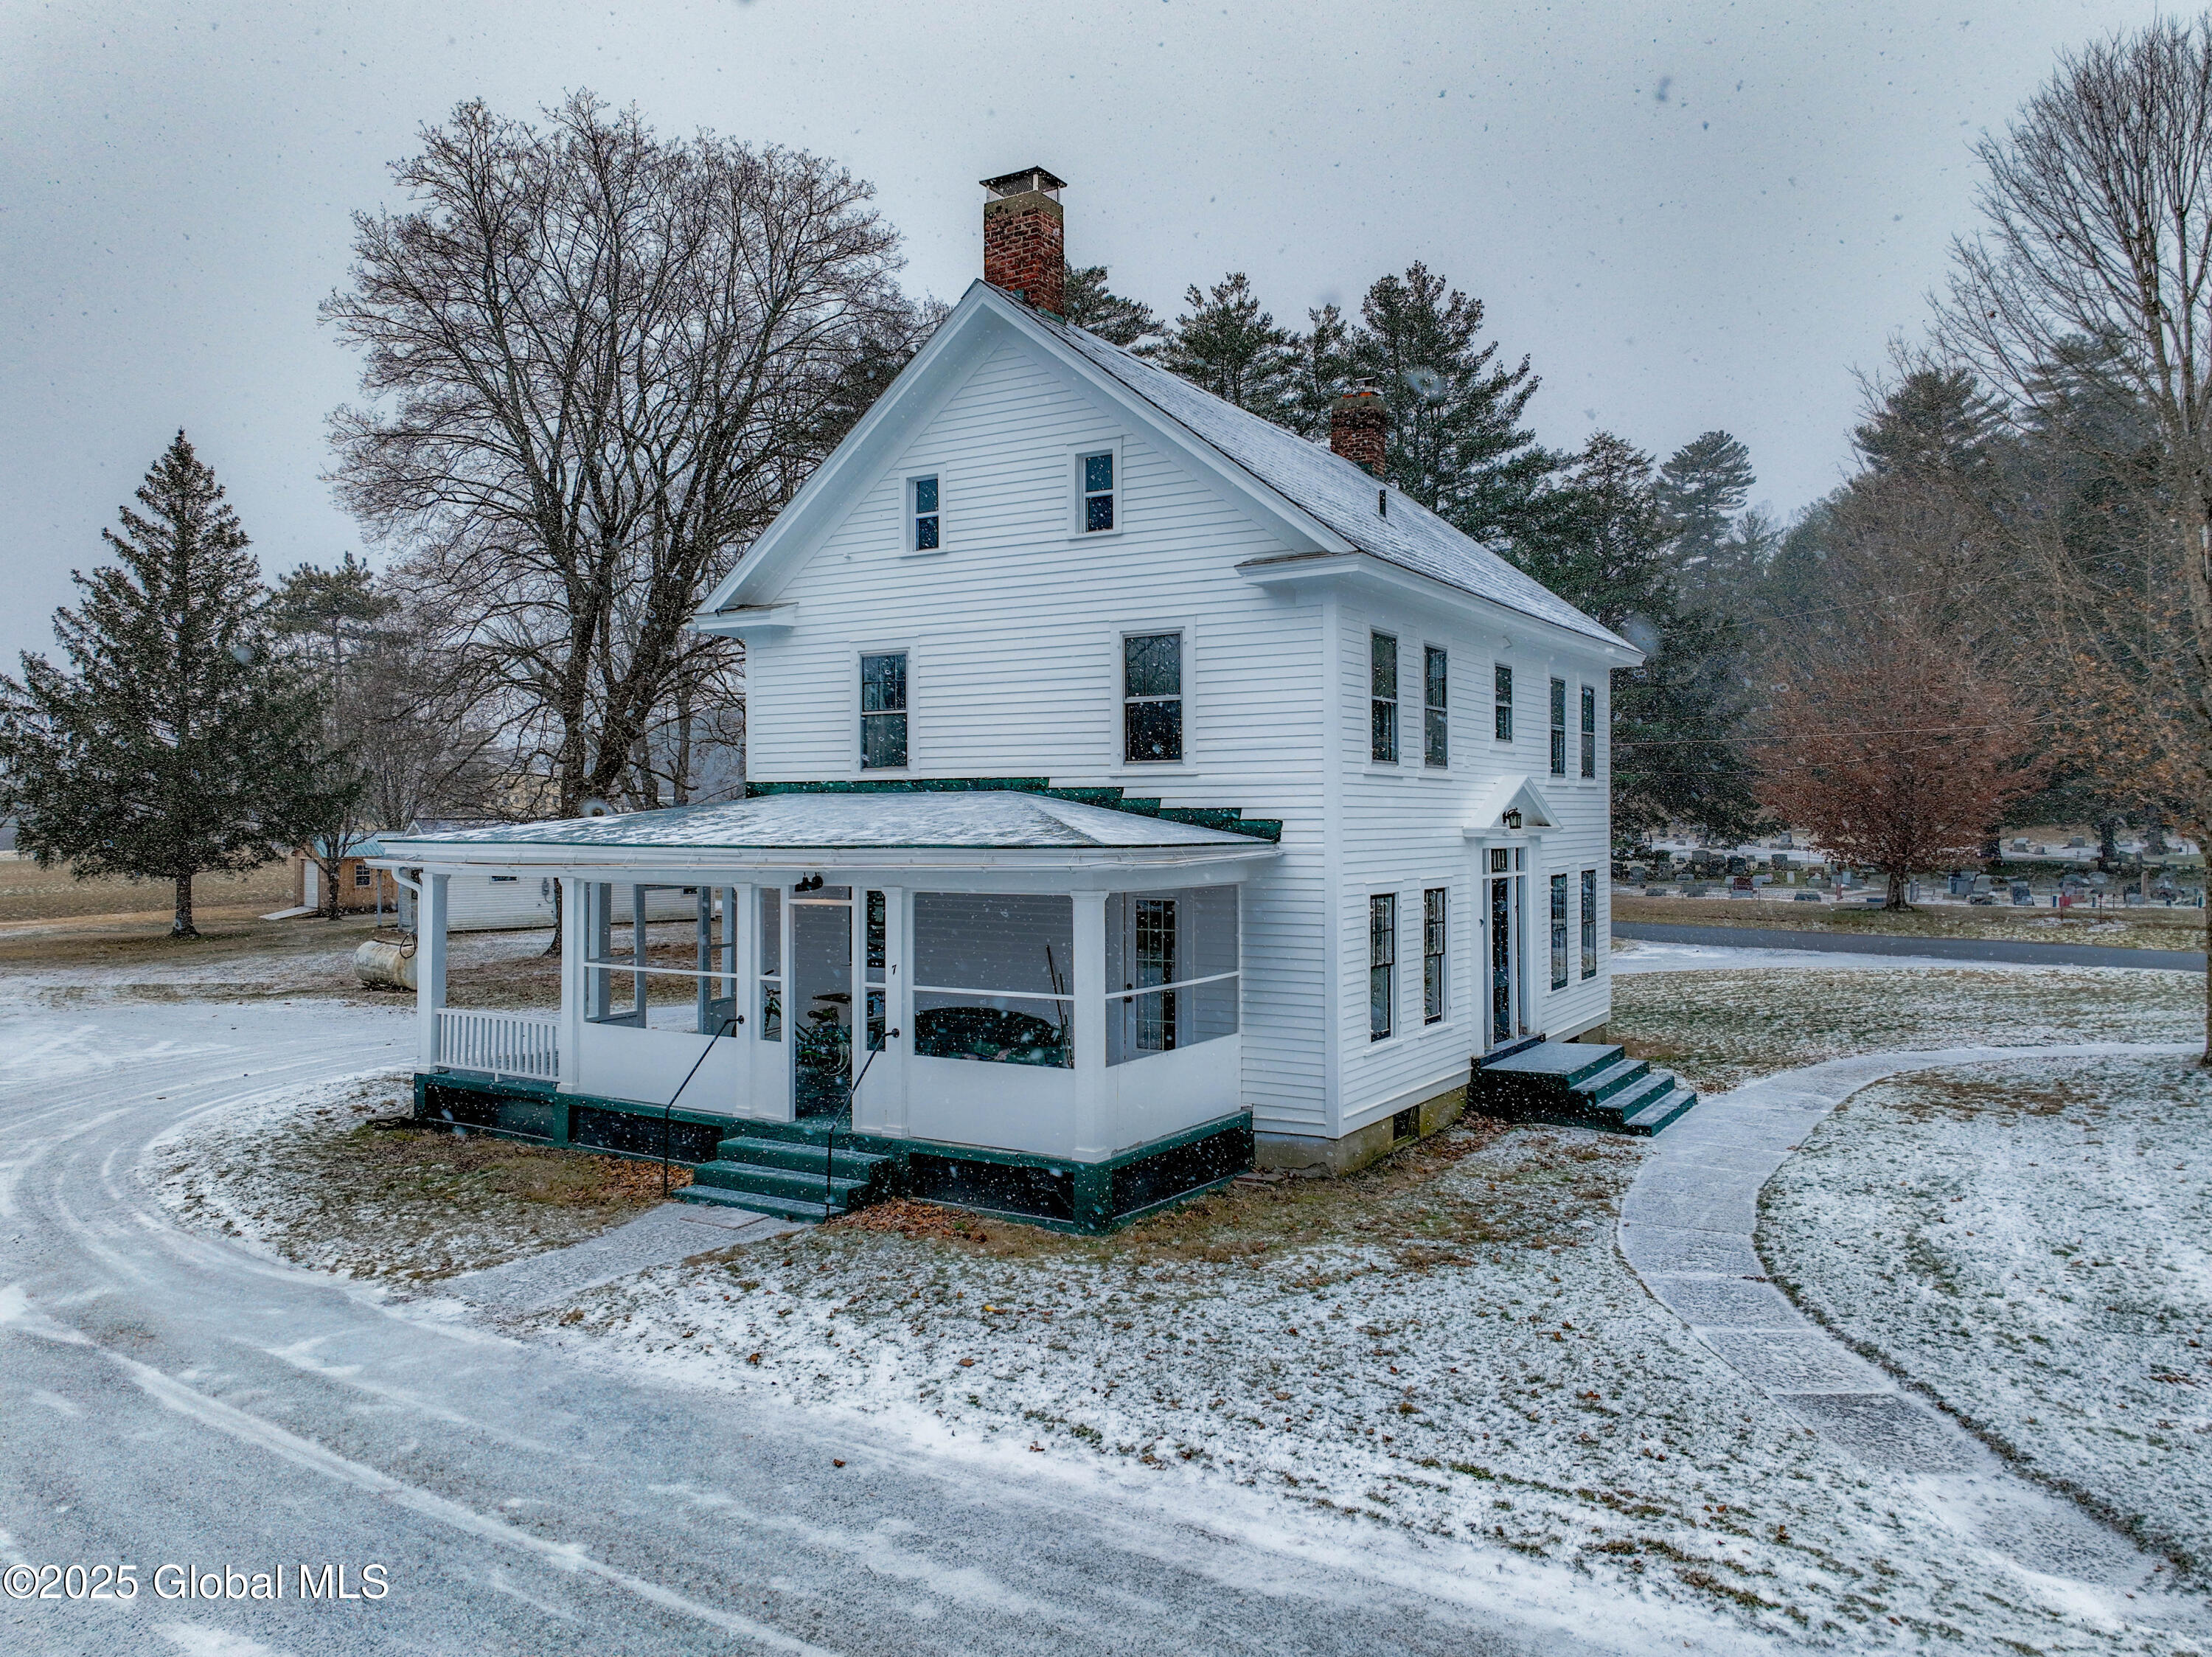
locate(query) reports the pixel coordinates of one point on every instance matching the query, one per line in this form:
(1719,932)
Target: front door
(820,1002)
(1501,958)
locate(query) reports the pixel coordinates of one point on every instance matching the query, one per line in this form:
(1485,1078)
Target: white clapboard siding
(1404,832)
(1012,637)
(1013,634)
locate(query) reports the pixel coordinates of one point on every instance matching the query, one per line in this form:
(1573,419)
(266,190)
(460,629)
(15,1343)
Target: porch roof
(940,830)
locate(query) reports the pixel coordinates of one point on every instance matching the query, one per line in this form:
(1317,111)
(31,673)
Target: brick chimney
(1023,249)
(1355,428)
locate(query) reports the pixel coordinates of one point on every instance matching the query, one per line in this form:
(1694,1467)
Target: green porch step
(791,1178)
(1577,1084)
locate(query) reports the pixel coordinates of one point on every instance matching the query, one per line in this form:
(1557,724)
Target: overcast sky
(1689,215)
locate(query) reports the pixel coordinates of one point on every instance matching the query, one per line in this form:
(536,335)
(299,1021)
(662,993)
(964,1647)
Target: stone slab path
(660,1236)
(1686,1226)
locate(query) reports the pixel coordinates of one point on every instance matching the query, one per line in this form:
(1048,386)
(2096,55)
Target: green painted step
(781,1207)
(1577,1084)
(844,1164)
(791,1178)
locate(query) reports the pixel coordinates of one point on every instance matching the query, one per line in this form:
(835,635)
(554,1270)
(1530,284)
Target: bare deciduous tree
(2098,256)
(598,363)
(1895,751)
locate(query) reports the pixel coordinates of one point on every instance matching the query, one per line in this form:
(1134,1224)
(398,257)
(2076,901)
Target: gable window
(1382,694)
(1558,932)
(1502,681)
(922,510)
(1151,698)
(1589,923)
(1559,728)
(1432,955)
(1589,730)
(883,712)
(1098,490)
(1436,732)
(1381,963)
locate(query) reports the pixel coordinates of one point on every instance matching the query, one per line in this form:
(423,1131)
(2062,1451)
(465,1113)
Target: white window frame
(853,708)
(1121,636)
(908,514)
(1597,730)
(1444,650)
(1396,761)
(1076,456)
(1119,764)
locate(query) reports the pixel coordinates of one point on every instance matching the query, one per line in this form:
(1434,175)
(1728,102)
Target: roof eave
(1357,567)
(551,857)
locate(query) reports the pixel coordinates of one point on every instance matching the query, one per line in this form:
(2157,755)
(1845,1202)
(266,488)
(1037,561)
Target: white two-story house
(1137,789)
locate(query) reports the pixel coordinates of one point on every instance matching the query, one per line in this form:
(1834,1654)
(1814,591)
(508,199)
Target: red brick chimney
(1024,251)
(1355,428)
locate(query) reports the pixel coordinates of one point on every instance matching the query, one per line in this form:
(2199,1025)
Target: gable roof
(1334,490)
(1314,500)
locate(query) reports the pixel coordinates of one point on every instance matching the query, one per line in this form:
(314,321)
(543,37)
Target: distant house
(1138,789)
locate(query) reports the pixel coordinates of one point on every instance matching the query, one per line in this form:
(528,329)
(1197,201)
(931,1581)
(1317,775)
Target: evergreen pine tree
(1227,344)
(1096,308)
(1702,488)
(1605,546)
(178,742)
(1321,369)
(1454,441)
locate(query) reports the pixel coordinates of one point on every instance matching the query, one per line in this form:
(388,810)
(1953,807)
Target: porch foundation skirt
(1057,1193)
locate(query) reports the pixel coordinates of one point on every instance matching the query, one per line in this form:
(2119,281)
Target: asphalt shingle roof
(994,819)
(1331,489)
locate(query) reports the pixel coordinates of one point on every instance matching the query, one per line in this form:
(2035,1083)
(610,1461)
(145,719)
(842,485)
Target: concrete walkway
(1944,949)
(659,1237)
(1687,1228)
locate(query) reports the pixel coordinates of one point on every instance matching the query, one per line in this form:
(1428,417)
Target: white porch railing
(518,1044)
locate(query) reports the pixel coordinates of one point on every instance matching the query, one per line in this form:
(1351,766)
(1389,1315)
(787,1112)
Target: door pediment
(1507,797)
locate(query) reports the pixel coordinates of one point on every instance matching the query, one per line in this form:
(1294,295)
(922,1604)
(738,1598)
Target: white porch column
(429,967)
(1095,1129)
(573,936)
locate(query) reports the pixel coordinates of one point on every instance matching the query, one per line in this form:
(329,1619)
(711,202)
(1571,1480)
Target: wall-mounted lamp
(809,883)
(1512,820)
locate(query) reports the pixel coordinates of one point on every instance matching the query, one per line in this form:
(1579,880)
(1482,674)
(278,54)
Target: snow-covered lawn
(1448,1345)
(1719,1029)
(300,1175)
(2033,1244)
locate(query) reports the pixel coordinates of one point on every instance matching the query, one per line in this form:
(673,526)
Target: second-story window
(1098,490)
(1502,682)
(1151,698)
(927,519)
(1435,730)
(1589,730)
(1382,698)
(883,712)
(1559,728)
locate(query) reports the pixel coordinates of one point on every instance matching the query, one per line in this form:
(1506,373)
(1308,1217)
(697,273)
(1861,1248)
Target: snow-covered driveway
(168,1398)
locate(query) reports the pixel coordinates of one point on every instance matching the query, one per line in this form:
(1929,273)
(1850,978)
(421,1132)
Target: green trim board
(1058,1193)
(1227,819)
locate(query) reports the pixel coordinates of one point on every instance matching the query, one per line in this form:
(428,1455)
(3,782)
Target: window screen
(883,712)
(1382,693)
(1098,491)
(1151,698)
(1502,692)
(1436,685)
(1558,932)
(927,519)
(1589,730)
(1559,728)
(1433,942)
(1382,964)
(1589,923)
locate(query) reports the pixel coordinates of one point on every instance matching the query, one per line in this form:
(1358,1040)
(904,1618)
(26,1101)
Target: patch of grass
(1721,1029)
(1542,1192)
(2148,927)
(28,892)
(412,1204)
